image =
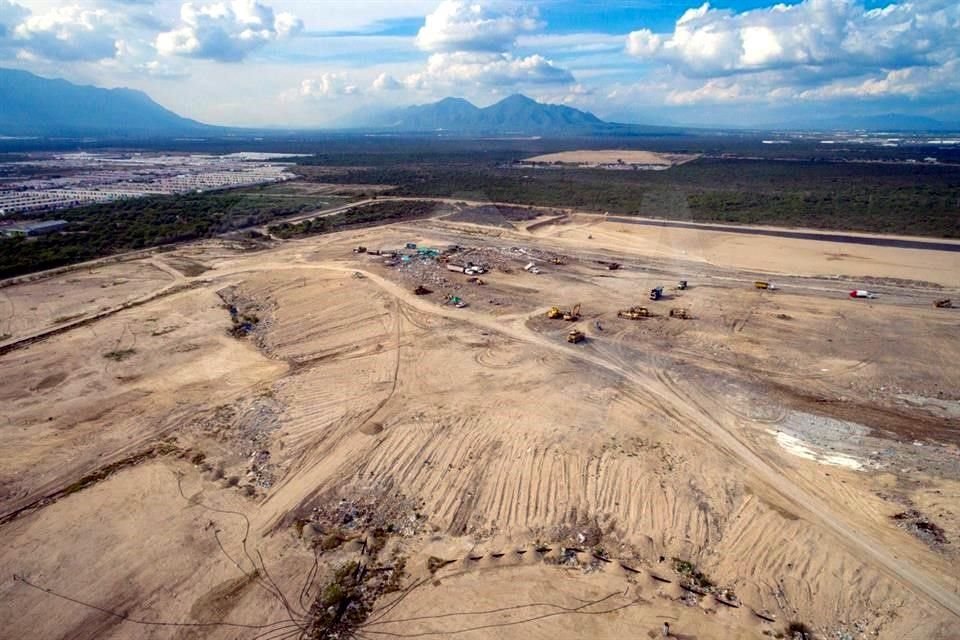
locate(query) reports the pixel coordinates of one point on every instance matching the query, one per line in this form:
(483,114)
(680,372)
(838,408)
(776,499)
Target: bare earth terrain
(614,156)
(284,441)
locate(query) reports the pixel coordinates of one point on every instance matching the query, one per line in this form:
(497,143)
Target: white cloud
(386,82)
(912,82)
(487,69)
(68,33)
(824,34)
(10,16)
(458,25)
(327,85)
(225,31)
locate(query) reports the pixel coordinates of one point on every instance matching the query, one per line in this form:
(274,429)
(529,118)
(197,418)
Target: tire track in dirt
(719,437)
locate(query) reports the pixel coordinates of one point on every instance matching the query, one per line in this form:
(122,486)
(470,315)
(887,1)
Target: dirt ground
(286,441)
(614,156)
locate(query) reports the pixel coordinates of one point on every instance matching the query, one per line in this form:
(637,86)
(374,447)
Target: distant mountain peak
(516,113)
(34,106)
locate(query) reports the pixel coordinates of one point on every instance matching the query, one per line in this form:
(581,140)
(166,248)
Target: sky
(321,63)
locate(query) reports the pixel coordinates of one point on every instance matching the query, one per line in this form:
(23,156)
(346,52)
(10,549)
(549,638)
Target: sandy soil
(783,457)
(614,156)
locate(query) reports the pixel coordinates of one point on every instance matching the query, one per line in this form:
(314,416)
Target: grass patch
(692,574)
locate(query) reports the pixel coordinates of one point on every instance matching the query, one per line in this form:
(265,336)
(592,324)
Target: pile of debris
(921,526)
(393,514)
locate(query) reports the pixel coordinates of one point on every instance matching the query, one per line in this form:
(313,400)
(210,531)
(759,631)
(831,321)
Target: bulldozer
(573,315)
(575,336)
(943,303)
(554,313)
(634,313)
(680,312)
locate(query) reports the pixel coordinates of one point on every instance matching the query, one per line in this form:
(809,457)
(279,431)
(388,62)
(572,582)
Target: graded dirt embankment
(331,453)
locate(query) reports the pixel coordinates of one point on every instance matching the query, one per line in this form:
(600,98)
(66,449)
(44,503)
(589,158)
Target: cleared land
(594,157)
(285,442)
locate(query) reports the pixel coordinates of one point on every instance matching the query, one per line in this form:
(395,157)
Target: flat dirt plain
(339,457)
(593,157)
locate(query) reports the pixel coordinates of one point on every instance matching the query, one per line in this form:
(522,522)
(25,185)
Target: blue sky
(314,62)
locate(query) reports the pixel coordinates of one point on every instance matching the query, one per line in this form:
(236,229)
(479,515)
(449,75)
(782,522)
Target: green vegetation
(383,212)
(104,229)
(692,574)
(889,198)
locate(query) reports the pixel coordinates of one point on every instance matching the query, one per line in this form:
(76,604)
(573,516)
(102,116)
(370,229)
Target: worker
(666,630)
(597,325)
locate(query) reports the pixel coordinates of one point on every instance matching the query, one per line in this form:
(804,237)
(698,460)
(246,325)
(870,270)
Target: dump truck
(575,336)
(943,303)
(680,312)
(656,293)
(634,313)
(763,284)
(862,293)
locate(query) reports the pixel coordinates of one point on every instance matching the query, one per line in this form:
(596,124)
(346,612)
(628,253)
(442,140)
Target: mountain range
(516,114)
(35,106)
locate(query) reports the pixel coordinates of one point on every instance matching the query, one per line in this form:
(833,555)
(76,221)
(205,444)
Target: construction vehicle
(558,260)
(573,315)
(554,313)
(943,303)
(421,290)
(680,312)
(456,301)
(763,284)
(634,313)
(575,336)
(682,285)
(656,293)
(861,293)
(360,249)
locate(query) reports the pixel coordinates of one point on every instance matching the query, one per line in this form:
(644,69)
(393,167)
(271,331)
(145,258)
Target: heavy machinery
(656,293)
(680,312)
(573,315)
(421,290)
(682,285)
(634,313)
(554,313)
(943,303)
(360,249)
(558,260)
(763,284)
(575,336)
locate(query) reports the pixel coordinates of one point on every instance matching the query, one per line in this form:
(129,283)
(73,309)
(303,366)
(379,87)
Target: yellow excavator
(554,313)
(634,313)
